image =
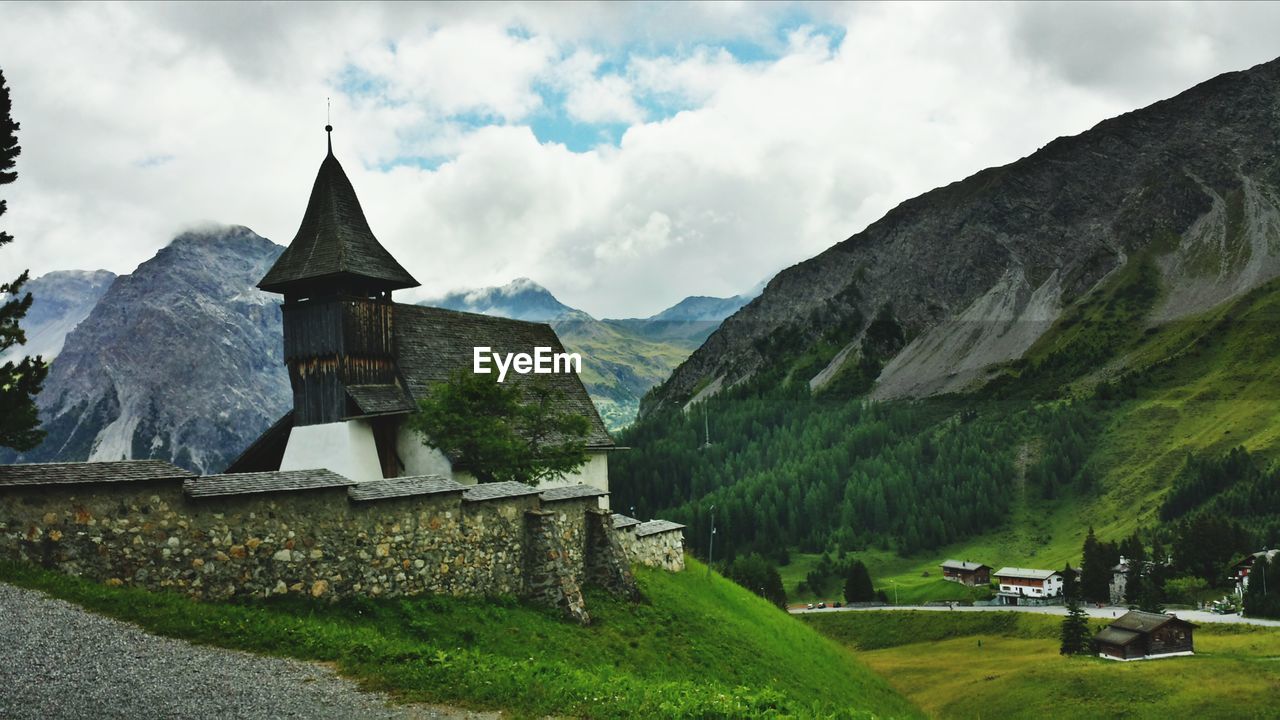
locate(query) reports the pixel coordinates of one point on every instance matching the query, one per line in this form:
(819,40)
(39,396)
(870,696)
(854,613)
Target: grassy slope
(935,659)
(701,647)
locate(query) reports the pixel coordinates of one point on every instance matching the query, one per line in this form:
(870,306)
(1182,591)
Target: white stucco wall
(420,458)
(346,448)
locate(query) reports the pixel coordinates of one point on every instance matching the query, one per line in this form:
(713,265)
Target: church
(359,362)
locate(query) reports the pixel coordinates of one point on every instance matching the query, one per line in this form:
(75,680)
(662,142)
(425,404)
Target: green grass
(904,580)
(935,659)
(700,647)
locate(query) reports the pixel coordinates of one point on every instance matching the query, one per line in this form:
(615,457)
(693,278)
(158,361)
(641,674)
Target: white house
(1026,586)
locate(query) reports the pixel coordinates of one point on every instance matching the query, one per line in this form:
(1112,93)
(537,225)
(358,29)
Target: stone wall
(319,541)
(661,549)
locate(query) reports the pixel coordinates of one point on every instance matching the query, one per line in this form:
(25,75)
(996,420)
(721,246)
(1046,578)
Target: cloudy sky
(623,155)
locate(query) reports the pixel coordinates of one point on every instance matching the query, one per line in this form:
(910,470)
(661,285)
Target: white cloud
(139,120)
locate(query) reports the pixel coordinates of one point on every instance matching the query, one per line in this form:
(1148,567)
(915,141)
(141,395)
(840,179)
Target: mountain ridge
(973,272)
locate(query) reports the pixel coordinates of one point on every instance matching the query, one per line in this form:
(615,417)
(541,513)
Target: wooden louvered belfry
(337,281)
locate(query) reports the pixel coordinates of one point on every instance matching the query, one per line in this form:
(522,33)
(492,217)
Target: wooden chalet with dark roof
(966,572)
(1139,635)
(359,362)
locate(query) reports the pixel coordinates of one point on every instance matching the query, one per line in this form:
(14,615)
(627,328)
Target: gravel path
(1195,616)
(59,661)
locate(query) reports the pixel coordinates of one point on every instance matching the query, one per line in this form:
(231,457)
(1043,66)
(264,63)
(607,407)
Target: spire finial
(328,128)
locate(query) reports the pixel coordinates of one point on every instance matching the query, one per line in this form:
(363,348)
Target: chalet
(359,362)
(1139,635)
(1240,570)
(968,573)
(1025,586)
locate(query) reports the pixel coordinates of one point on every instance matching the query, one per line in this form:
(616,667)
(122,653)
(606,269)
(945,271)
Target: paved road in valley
(1106,613)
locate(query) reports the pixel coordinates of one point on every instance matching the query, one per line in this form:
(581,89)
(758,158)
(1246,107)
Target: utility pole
(711,540)
(895,591)
(706,428)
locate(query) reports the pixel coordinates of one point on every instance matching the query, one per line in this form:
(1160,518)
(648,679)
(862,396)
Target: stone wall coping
(497,491)
(622,522)
(571,492)
(263,482)
(32,474)
(404,487)
(653,527)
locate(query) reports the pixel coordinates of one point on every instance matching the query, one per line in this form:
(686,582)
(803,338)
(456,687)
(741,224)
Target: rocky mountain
(622,359)
(60,300)
(952,288)
(179,360)
(520,299)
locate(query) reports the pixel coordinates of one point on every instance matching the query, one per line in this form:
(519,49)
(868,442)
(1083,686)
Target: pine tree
(857,584)
(20,381)
(1075,630)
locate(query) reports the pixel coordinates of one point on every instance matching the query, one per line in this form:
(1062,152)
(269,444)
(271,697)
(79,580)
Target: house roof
(89,472)
(379,399)
(334,242)
(1144,622)
(263,482)
(653,527)
(963,565)
(1115,636)
(404,487)
(1027,573)
(432,344)
(571,492)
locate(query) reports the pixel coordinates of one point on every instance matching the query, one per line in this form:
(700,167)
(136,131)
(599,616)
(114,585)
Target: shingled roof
(379,399)
(571,492)
(264,482)
(404,487)
(1142,622)
(89,472)
(653,527)
(432,344)
(621,521)
(335,241)
(497,491)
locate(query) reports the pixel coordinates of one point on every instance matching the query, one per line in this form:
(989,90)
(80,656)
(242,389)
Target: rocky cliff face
(970,275)
(180,360)
(60,300)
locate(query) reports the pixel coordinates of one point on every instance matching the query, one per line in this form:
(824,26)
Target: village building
(1026,586)
(1119,582)
(1139,635)
(1242,569)
(360,362)
(965,572)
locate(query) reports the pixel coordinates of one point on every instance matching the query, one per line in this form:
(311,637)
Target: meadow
(995,664)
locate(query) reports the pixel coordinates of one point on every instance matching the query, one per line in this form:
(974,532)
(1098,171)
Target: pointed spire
(334,248)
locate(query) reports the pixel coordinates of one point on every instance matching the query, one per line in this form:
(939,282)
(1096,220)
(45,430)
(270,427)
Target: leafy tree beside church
(502,432)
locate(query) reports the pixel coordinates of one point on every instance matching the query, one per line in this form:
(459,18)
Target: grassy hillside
(701,647)
(936,660)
